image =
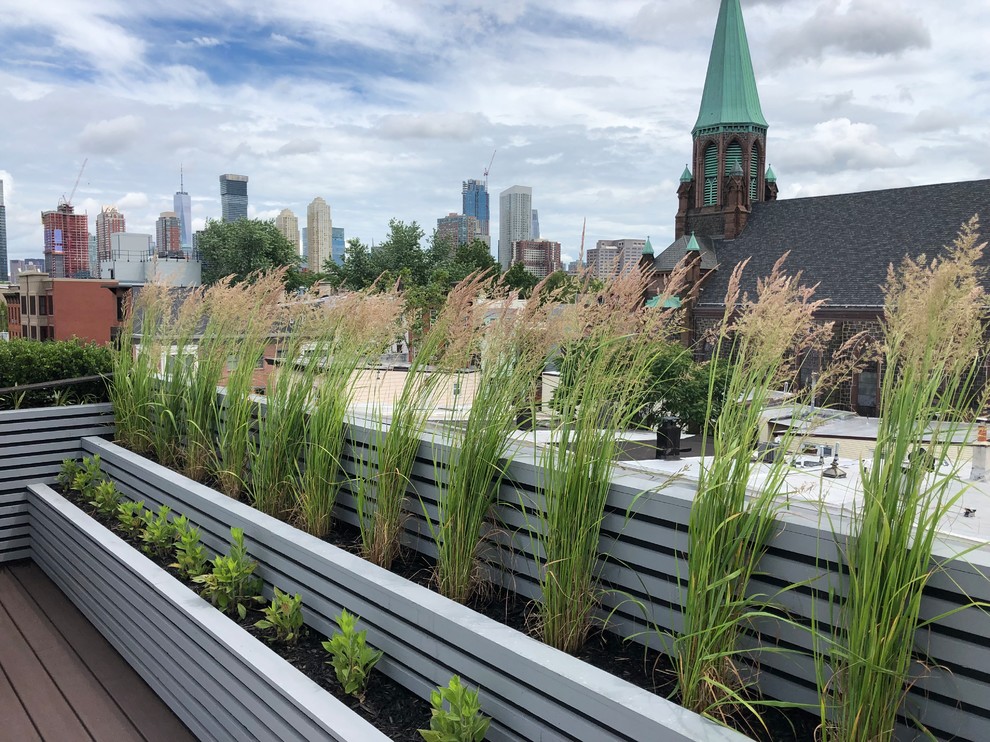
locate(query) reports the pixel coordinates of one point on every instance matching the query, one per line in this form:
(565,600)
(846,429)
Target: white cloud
(111,136)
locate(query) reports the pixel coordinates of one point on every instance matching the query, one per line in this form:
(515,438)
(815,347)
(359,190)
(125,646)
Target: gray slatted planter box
(531,691)
(223,683)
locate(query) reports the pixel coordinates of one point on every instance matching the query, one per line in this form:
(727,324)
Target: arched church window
(711,175)
(754,172)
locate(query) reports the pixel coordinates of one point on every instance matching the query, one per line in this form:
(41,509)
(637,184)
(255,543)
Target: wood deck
(61,680)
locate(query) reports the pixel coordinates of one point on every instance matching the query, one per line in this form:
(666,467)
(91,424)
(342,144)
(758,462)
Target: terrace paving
(61,680)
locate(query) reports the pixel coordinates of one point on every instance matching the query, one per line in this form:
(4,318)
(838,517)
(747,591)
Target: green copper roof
(730,95)
(686,176)
(692,245)
(771,176)
(647,248)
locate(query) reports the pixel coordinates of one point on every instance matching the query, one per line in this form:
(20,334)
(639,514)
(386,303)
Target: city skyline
(594,111)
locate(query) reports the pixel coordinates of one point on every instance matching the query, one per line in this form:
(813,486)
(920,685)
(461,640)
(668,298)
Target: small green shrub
(456,715)
(158,533)
(284,617)
(106,497)
(67,475)
(351,657)
(190,555)
(129,517)
(231,584)
(88,475)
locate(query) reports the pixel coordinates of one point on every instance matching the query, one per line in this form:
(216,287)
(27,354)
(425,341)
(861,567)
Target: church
(728,211)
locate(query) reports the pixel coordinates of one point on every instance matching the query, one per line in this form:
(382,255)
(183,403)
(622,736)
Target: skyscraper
(535,231)
(288,224)
(304,232)
(457,229)
(4,276)
(539,257)
(515,220)
(183,209)
(66,242)
(233,197)
(109,221)
(474,197)
(338,245)
(320,234)
(168,235)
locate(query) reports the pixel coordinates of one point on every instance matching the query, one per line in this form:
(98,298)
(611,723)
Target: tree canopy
(245,246)
(427,271)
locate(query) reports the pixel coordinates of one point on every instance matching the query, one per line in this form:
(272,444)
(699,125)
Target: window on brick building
(867,391)
(34,332)
(51,305)
(34,305)
(24,305)
(43,305)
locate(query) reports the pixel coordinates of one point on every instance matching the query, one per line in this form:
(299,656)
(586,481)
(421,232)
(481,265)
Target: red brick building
(539,257)
(66,242)
(44,308)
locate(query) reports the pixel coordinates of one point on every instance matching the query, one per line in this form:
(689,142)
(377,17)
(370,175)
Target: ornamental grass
(933,338)
(610,345)
(510,345)
(730,524)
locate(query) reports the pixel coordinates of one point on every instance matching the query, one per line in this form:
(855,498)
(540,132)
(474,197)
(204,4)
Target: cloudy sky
(383,107)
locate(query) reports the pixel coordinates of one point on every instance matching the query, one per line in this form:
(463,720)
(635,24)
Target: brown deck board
(13,716)
(105,696)
(95,708)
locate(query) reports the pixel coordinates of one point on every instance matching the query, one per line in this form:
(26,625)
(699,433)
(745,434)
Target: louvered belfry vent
(711,175)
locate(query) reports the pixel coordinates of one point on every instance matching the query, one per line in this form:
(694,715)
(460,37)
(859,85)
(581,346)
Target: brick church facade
(728,211)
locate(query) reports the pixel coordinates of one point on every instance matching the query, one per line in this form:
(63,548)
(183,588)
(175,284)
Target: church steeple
(730,135)
(730,97)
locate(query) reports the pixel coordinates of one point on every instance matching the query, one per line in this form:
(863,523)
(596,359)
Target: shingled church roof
(845,242)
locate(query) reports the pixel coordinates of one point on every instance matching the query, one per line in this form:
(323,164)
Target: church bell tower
(728,173)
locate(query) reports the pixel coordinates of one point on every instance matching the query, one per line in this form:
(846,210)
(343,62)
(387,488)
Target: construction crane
(489,168)
(68,201)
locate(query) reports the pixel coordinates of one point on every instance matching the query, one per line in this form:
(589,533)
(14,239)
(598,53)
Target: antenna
(489,168)
(182,186)
(581,251)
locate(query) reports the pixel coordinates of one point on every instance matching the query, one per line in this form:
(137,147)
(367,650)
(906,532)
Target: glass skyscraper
(233,197)
(474,195)
(338,245)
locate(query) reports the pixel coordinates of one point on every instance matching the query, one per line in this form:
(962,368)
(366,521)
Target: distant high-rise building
(27,264)
(338,245)
(515,220)
(168,234)
(108,222)
(304,232)
(535,229)
(4,276)
(457,229)
(611,257)
(474,198)
(539,257)
(320,234)
(94,257)
(183,209)
(288,224)
(233,197)
(66,242)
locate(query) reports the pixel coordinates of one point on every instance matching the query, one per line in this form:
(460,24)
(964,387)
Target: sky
(384,107)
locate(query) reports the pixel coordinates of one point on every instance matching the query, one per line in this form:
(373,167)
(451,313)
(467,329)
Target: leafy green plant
(232,583)
(284,617)
(351,657)
(455,715)
(88,476)
(190,555)
(24,361)
(106,497)
(158,533)
(67,474)
(129,517)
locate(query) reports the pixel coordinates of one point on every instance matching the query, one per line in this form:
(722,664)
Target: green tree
(356,272)
(3,316)
(520,279)
(246,246)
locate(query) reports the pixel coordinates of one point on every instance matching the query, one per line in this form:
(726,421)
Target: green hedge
(33,361)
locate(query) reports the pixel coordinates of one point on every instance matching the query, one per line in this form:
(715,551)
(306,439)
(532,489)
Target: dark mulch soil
(395,711)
